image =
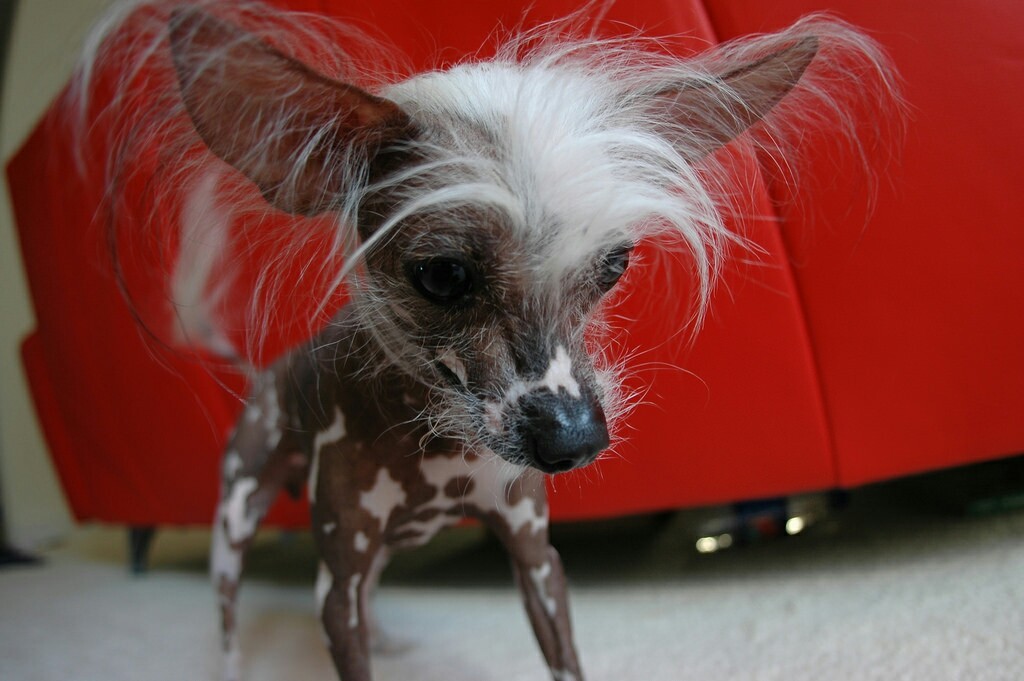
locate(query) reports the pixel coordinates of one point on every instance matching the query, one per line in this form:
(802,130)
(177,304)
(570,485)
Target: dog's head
(495,205)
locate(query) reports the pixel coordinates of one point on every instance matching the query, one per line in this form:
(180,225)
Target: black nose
(562,432)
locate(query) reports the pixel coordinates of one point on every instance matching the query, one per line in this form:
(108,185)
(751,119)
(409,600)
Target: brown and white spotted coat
(374,488)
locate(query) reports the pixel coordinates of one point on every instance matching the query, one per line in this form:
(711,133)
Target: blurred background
(40,56)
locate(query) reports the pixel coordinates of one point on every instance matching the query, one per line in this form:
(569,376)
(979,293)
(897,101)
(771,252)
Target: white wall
(47,34)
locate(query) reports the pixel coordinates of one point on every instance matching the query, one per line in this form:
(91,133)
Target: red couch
(854,351)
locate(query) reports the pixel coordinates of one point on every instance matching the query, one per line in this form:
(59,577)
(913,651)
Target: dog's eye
(613,265)
(441,280)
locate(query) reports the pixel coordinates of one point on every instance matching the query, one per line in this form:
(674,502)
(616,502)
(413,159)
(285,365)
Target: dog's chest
(410,503)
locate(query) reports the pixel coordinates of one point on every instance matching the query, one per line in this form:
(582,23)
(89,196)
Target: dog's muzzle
(561,432)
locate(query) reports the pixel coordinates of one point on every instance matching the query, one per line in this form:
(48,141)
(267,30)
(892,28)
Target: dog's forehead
(537,151)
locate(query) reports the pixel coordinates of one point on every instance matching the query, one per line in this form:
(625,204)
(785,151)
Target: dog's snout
(562,432)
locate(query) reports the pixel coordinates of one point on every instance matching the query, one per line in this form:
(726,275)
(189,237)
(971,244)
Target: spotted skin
(374,488)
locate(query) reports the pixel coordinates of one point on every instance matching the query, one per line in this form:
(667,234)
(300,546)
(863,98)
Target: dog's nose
(562,432)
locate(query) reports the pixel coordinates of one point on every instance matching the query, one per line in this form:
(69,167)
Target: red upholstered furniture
(853,351)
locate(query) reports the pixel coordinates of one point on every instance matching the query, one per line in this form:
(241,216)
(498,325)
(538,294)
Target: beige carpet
(891,592)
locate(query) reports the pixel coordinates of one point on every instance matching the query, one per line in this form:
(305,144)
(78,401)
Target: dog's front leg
(343,591)
(352,554)
(545,595)
(522,526)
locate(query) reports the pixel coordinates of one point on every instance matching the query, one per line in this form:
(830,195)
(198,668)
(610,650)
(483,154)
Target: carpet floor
(889,590)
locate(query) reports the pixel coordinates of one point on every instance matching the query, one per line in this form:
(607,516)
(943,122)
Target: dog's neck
(345,366)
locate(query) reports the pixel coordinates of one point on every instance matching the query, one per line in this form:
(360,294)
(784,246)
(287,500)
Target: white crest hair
(579,156)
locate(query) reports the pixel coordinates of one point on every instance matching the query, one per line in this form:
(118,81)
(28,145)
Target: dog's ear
(290,130)
(712,112)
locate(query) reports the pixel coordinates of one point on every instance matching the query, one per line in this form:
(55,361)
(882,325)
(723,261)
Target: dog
(485,214)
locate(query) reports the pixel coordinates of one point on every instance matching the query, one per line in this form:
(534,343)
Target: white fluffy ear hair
(316,133)
(710,110)
(294,132)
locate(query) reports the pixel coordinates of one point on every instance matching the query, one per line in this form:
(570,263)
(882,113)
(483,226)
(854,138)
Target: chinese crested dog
(480,217)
